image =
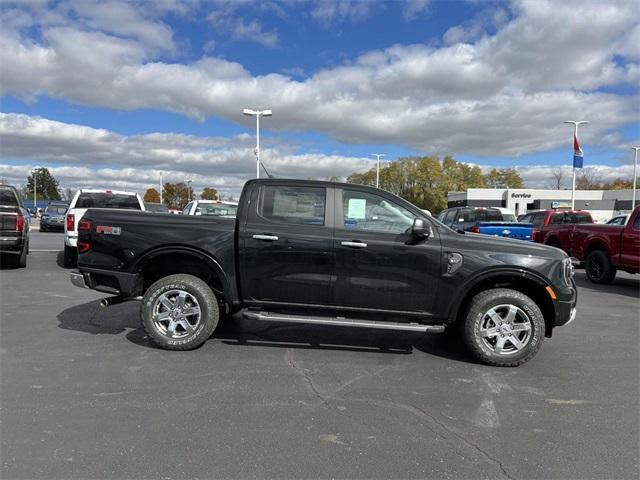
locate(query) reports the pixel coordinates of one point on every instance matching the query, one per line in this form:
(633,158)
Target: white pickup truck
(84,199)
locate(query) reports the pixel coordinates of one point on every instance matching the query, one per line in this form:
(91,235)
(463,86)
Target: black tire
(598,267)
(22,259)
(508,347)
(70,257)
(158,321)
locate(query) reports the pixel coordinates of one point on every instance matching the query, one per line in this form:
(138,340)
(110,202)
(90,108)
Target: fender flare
(210,261)
(467,286)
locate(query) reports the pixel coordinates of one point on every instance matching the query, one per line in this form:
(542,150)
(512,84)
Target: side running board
(341,321)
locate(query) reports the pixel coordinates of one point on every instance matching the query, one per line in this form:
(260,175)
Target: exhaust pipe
(107,302)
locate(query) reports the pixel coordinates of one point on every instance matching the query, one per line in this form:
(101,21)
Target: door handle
(354,244)
(266,238)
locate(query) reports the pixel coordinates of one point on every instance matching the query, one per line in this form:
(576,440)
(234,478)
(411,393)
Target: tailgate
(519,231)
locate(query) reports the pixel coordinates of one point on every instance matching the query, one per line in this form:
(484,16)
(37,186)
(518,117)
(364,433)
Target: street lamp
(35,189)
(189,188)
(378,155)
(576,147)
(257,114)
(635,176)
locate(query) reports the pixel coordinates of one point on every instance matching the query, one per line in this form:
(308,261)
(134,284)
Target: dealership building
(603,204)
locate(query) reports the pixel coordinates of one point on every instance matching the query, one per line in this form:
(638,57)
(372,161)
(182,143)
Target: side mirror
(420,228)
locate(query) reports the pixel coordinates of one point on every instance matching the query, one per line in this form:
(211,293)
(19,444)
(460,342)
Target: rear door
(286,243)
(377,266)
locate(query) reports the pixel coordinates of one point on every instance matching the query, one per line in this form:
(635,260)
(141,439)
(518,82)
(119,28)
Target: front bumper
(565,308)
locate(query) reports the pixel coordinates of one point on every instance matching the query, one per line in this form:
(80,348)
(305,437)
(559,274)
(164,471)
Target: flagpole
(573,183)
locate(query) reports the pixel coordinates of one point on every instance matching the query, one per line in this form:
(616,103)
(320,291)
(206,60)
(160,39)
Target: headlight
(568,271)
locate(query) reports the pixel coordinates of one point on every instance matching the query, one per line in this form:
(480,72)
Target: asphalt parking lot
(84,394)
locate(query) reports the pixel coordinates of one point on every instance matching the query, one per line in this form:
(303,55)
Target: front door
(286,246)
(630,245)
(379,265)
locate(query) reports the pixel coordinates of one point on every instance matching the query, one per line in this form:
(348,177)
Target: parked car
(213,208)
(489,221)
(84,199)
(327,253)
(607,248)
(550,226)
(14,228)
(52,218)
(156,207)
(619,220)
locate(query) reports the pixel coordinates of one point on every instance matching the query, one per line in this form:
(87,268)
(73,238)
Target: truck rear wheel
(179,312)
(598,267)
(70,259)
(503,327)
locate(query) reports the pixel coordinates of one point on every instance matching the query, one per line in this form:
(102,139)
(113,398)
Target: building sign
(520,195)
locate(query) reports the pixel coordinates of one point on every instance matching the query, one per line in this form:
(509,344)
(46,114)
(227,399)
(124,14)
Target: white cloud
(539,176)
(413,8)
(83,156)
(328,12)
(503,94)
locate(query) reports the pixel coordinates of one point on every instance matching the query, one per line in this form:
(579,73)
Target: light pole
(378,155)
(635,176)
(189,188)
(35,189)
(160,187)
(576,150)
(257,114)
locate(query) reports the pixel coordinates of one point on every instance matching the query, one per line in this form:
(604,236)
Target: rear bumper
(11,244)
(115,283)
(71,241)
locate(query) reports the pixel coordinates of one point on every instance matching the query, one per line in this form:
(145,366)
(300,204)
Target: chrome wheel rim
(505,329)
(176,314)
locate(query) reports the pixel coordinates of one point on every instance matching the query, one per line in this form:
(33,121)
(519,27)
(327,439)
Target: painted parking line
(33,250)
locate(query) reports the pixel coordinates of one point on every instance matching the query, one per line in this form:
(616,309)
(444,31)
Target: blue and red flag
(578,154)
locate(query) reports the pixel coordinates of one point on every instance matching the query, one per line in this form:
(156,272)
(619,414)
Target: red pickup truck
(607,248)
(555,227)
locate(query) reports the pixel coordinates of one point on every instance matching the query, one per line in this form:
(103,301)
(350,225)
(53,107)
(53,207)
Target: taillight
(19,222)
(475,229)
(534,234)
(71,220)
(83,226)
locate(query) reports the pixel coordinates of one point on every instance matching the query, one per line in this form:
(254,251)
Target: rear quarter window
(581,218)
(301,205)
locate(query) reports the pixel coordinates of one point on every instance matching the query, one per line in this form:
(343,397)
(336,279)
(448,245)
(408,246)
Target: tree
(619,184)
(209,194)
(69,193)
(176,195)
(589,179)
(558,177)
(46,186)
(151,196)
(504,178)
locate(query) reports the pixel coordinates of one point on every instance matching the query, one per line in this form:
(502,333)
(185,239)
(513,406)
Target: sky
(109,93)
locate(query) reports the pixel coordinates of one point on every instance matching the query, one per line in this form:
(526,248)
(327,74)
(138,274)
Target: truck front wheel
(179,312)
(503,327)
(599,268)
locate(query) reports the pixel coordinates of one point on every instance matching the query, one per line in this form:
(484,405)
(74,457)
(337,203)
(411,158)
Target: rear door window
(107,200)
(297,205)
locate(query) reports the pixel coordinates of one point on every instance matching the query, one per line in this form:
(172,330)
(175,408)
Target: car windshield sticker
(357,208)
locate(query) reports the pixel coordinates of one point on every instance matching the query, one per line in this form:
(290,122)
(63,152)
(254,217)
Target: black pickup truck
(14,228)
(330,254)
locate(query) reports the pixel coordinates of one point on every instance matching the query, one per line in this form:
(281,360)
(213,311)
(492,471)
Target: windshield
(56,210)
(107,200)
(217,210)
